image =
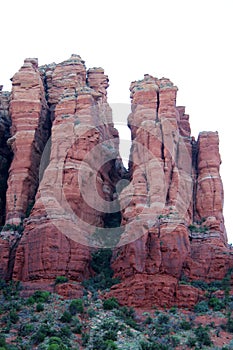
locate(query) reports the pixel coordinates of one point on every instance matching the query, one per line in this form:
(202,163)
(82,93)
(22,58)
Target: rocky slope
(66,197)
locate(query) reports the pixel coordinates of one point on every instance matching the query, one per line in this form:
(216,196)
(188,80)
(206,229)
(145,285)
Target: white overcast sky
(188,41)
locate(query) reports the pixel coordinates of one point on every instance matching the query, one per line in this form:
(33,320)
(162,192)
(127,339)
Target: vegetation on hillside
(45,321)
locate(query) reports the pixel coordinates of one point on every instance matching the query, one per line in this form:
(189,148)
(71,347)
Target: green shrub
(110,304)
(100,344)
(53,347)
(42,333)
(203,336)
(91,312)
(41,296)
(191,341)
(57,347)
(55,340)
(66,317)
(216,284)
(110,335)
(77,329)
(201,307)
(148,320)
(128,315)
(163,319)
(173,310)
(25,329)
(2,340)
(85,338)
(154,346)
(61,279)
(30,301)
(200,284)
(127,311)
(229,325)
(185,325)
(76,306)
(101,265)
(38,337)
(174,341)
(13,316)
(109,324)
(65,332)
(110,345)
(39,307)
(216,304)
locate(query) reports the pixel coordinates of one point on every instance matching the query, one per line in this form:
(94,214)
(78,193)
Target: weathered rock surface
(84,154)
(29,133)
(171,212)
(174,224)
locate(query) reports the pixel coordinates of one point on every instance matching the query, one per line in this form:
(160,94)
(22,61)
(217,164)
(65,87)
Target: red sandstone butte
(174,224)
(84,144)
(171,210)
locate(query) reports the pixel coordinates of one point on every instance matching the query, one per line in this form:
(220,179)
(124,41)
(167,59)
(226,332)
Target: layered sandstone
(174,224)
(171,211)
(29,133)
(78,185)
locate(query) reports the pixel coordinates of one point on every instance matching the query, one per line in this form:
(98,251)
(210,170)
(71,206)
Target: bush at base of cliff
(201,307)
(61,279)
(110,304)
(101,265)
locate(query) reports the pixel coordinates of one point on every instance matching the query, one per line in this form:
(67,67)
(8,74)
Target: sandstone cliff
(80,158)
(174,225)
(62,194)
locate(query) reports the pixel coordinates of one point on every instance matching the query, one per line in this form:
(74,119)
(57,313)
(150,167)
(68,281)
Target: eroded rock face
(172,209)
(84,154)
(29,133)
(172,224)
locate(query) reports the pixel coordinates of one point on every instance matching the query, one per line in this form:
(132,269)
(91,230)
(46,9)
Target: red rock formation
(28,110)
(144,290)
(84,153)
(172,209)
(209,195)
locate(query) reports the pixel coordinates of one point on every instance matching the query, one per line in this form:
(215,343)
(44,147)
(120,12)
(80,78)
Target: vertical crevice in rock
(5,151)
(163,158)
(157,108)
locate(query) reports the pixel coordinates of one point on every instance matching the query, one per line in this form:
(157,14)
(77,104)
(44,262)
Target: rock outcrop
(64,194)
(174,225)
(29,133)
(84,154)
